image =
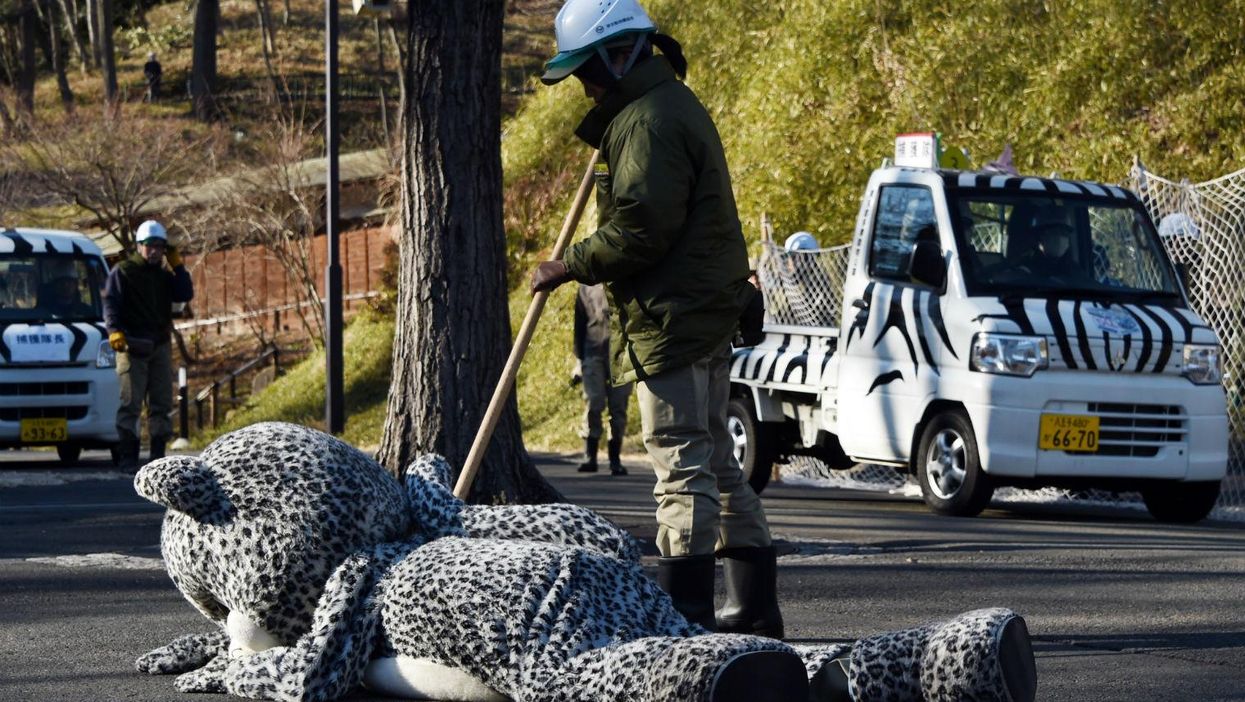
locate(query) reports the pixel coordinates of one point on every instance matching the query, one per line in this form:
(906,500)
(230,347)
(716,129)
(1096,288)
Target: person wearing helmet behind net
(670,249)
(138,311)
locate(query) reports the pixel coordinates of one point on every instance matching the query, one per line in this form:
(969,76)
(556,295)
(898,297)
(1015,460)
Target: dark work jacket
(139,297)
(668,246)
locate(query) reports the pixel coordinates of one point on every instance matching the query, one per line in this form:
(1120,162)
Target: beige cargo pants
(703,502)
(147,378)
(599,395)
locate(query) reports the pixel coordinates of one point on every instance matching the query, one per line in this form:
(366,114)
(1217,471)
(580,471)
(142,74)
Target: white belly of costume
(422,679)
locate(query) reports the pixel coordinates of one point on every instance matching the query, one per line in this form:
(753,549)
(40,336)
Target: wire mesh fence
(1201,225)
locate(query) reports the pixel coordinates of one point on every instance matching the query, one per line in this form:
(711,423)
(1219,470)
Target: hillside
(809,94)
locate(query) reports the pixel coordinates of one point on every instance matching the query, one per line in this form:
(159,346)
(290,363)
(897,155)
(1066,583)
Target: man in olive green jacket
(671,252)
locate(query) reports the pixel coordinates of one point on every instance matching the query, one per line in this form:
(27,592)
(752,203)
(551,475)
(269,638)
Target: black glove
(549,275)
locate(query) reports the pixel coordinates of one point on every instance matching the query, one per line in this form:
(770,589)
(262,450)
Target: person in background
(153,72)
(138,312)
(592,354)
(670,248)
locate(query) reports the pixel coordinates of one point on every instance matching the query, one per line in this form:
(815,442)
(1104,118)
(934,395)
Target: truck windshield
(1038,244)
(50,287)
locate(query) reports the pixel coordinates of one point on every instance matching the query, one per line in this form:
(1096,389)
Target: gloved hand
(577,373)
(173,256)
(549,275)
(117,341)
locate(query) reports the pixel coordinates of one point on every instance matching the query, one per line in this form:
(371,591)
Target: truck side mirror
(926,264)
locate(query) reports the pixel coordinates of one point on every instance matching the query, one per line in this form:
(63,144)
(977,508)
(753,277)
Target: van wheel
(756,444)
(1181,503)
(949,467)
(68,453)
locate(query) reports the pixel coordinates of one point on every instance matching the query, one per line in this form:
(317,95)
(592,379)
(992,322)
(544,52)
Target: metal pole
(334,407)
(183,405)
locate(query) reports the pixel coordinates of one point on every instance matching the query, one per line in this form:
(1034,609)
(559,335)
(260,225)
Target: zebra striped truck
(998,330)
(58,382)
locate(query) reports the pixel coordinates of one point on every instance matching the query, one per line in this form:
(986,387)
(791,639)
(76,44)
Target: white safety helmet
(151,229)
(585,27)
(801,241)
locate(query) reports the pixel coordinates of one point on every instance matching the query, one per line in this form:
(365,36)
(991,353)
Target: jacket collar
(641,79)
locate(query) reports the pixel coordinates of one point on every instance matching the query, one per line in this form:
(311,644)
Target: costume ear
(185,484)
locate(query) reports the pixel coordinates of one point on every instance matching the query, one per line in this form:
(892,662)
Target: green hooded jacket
(668,244)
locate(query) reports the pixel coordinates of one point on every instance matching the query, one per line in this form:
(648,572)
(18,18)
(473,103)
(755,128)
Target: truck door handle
(861,304)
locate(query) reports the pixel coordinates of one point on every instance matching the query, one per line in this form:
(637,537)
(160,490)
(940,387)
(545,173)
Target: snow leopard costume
(322,572)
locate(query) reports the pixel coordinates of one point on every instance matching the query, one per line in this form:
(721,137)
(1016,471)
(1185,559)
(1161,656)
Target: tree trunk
(203,58)
(92,29)
(107,57)
(453,326)
(381,77)
(58,55)
(26,67)
(70,11)
(268,46)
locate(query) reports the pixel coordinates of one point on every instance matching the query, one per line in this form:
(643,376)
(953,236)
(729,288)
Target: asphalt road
(1121,608)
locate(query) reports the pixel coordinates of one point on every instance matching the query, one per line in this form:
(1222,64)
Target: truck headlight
(1203,364)
(1007,354)
(106,357)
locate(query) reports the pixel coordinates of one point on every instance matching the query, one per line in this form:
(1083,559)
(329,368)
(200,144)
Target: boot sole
(761,676)
(1016,661)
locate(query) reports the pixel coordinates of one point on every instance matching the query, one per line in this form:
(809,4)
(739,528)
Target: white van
(58,383)
(986,330)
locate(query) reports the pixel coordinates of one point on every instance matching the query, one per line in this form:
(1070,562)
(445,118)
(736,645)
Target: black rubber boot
(689,582)
(158,445)
(590,456)
(615,448)
(128,451)
(751,592)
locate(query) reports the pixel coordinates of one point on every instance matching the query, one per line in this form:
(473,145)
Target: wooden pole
(506,382)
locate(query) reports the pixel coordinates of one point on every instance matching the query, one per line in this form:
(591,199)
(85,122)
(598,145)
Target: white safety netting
(1202,226)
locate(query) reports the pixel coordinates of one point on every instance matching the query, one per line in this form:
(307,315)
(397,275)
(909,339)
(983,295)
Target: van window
(905,213)
(50,288)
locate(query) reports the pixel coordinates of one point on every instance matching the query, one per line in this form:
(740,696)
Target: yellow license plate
(1068,432)
(45,431)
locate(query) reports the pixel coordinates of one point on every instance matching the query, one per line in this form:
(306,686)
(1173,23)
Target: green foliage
(298,396)
(162,39)
(808,96)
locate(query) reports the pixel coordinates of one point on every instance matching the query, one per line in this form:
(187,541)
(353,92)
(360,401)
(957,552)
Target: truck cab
(58,383)
(997,330)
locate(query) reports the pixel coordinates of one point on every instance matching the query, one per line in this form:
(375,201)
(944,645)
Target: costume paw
(209,678)
(436,510)
(184,653)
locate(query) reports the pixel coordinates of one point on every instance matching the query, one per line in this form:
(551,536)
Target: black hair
(595,71)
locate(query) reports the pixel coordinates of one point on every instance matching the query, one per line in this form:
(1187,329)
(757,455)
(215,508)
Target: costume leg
(980,655)
(708,668)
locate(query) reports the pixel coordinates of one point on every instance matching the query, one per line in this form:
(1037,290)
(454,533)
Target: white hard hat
(151,229)
(1179,224)
(584,25)
(801,241)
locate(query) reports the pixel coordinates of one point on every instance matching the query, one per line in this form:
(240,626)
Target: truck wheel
(949,467)
(68,453)
(755,443)
(1181,503)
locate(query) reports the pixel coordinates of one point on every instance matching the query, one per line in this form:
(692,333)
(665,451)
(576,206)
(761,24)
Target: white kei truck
(993,330)
(58,380)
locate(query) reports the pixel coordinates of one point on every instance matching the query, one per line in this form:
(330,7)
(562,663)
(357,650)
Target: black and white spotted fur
(315,544)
